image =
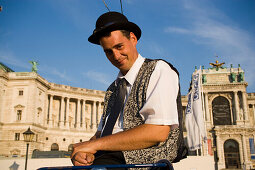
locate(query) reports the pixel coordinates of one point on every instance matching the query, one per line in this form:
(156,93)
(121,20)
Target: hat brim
(129,26)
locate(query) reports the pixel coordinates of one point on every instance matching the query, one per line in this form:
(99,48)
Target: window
(19,113)
(20,92)
(17,136)
(221,111)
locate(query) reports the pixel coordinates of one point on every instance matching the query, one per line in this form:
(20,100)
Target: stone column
(219,150)
(67,113)
(236,106)
(62,112)
(253,108)
(246,118)
(99,114)
(78,118)
(245,157)
(207,107)
(83,123)
(93,116)
(50,111)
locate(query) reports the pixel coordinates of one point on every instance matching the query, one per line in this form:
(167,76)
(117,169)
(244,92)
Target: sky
(186,33)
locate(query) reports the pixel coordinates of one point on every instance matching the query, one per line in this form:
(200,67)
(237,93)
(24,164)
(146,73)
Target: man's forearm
(96,136)
(140,137)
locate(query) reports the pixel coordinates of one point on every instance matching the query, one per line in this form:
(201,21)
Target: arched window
(232,155)
(221,111)
(70,148)
(54,147)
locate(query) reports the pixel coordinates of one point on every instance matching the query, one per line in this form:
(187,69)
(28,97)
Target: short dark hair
(125,33)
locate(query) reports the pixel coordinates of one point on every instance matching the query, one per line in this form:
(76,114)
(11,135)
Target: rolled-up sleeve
(161,107)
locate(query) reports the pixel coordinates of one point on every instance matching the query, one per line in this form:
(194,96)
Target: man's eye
(119,46)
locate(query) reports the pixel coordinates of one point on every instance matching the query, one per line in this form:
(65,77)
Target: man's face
(120,50)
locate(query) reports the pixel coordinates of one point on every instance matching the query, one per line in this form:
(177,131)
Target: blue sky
(187,33)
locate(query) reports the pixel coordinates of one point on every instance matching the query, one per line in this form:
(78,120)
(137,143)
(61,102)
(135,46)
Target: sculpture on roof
(217,65)
(34,66)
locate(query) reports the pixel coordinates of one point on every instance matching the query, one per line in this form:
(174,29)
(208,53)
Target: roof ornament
(34,66)
(217,65)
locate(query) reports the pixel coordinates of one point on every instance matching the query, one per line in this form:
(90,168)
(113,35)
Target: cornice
(234,129)
(227,84)
(54,88)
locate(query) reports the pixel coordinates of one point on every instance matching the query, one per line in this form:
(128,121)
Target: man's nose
(116,54)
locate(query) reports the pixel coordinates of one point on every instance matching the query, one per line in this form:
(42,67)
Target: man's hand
(85,147)
(82,159)
(142,136)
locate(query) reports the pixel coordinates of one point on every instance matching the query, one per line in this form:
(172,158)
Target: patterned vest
(132,118)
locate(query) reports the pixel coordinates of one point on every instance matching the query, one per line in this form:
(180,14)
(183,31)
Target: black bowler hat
(112,21)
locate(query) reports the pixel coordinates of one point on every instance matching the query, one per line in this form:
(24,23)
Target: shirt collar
(132,73)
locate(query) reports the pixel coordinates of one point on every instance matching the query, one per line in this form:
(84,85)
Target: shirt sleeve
(161,107)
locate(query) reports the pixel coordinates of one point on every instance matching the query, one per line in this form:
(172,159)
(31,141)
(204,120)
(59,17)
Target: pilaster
(62,111)
(78,119)
(93,115)
(246,117)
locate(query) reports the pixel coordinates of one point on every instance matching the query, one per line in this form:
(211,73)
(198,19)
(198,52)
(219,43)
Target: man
(146,129)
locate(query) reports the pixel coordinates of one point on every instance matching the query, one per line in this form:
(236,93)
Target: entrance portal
(232,155)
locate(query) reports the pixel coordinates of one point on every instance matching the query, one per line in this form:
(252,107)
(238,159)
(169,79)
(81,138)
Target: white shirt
(160,107)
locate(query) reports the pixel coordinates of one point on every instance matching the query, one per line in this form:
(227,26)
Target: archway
(54,147)
(221,111)
(232,155)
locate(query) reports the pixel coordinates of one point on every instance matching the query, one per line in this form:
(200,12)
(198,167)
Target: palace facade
(61,115)
(229,117)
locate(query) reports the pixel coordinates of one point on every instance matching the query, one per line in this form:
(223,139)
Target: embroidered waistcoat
(132,118)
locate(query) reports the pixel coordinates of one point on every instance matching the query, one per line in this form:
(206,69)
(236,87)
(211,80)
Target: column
(245,158)
(253,108)
(99,114)
(62,112)
(246,118)
(78,118)
(219,151)
(236,106)
(207,107)
(83,122)
(93,116)
(50,111)
(67,113)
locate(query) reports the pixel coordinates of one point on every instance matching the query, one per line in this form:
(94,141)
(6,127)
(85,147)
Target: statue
(241,76)
(34,66)
(217,65)
(233,77)
(204,80)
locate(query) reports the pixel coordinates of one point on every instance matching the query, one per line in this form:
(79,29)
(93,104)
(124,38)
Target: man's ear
(133,38)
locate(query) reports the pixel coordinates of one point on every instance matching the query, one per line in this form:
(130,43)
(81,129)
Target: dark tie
(117,108)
